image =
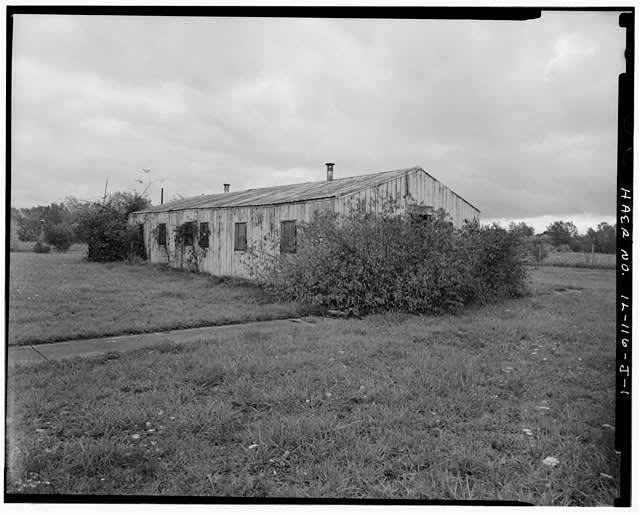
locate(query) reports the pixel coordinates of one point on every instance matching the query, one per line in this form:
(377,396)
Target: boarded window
(288,240)
(162,234)
(240,236)
(189,229)
(203,236)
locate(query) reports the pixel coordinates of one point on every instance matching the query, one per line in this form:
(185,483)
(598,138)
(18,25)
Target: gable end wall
(415,187)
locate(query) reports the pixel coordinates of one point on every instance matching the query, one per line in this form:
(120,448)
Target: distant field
(580,260)
(59,296)
(27,246)
(390,406)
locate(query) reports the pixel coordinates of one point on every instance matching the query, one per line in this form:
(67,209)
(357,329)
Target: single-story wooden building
(211,233)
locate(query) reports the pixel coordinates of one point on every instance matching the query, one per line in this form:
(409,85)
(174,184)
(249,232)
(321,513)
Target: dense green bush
(61,236)
(498,261)
(363,263)
(105,229)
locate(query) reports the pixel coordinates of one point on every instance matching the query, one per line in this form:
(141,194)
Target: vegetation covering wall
(363,262)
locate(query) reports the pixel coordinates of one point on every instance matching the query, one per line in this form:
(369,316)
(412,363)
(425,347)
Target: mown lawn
(59,296)
(390,406)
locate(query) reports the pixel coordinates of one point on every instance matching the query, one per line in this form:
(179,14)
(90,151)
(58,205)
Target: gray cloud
(517,117)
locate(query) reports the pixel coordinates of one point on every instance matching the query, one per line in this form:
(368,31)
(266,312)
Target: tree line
(564,236)
(102,224)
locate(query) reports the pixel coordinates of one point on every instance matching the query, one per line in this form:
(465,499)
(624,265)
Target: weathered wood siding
(263,222)
(416,187)
(220,258)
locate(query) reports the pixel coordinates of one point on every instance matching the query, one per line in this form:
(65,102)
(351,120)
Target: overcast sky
(519,118)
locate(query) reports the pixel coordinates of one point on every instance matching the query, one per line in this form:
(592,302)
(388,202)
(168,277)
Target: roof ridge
(186,203)
(333,180)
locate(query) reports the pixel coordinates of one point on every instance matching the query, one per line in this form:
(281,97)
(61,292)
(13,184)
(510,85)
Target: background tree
(603,238)
(561,233)
(521,229)
(28,219)
(581,243)
(61,236)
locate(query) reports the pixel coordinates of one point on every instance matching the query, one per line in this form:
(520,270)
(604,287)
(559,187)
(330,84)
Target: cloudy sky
(519,118)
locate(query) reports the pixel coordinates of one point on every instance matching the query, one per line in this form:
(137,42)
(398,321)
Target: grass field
(580,260)
(59,296)
(390,406)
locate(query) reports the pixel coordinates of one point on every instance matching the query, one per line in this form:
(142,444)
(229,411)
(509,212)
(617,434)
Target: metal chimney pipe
(330,171)
(226,187)
(161,196)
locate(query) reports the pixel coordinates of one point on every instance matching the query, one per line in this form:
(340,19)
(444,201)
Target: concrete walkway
(29,354)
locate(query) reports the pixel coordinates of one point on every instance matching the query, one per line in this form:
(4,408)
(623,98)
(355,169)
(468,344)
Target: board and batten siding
(416,187)
(220,258)
(264,222)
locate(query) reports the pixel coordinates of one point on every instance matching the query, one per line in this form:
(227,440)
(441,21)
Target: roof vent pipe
(226,187)
(330,171)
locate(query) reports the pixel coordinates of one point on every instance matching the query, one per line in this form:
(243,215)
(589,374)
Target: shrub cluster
(365,262)
(105,229)
(61,236)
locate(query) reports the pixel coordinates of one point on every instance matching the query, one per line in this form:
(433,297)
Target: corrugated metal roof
(284,194)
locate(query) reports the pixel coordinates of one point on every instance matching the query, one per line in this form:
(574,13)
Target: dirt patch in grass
(389,407)
(57,296)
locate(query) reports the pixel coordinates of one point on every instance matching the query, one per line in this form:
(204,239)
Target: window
(189,229)
(240,236)
(162,234)
(288,243)
(203,236)
(419,214)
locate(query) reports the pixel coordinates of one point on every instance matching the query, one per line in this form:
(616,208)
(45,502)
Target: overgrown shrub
(61,236)
(104,227)
(41,248)
(365,262)
(498,261)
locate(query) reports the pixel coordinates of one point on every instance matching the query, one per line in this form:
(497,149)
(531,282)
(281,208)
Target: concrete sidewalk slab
(30,354)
